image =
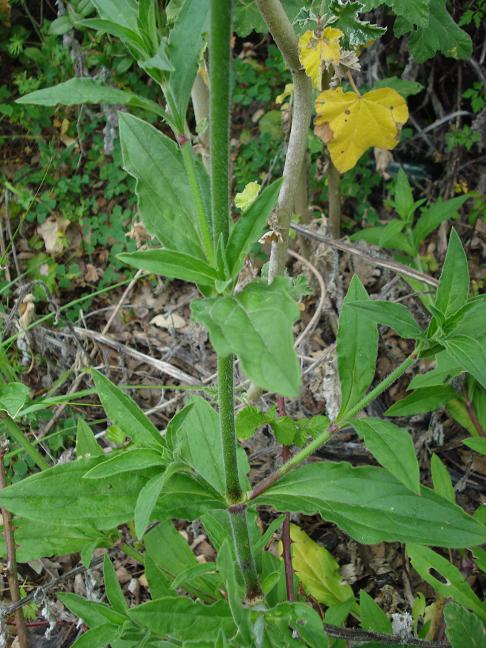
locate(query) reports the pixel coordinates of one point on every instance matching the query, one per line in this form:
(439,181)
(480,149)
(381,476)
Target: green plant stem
(219,124)
(241,538)
(227,425)
(13,430)
(334,427)
(204,228)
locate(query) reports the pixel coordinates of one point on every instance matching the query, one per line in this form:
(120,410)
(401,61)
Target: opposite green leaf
(372,506)
(98,637)
(453,289)
(396,316)
(441,479)
(113,589)
(424,561)
(173,264)
(372,616)
(422,401)
(434,215)
(464,629)
(357,348)
(469,354)
(256,326)
(126,461)
(392,447)
(86,444)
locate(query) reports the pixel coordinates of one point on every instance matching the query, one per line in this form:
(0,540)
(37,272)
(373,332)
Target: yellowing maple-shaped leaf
(350,123)
(317,52)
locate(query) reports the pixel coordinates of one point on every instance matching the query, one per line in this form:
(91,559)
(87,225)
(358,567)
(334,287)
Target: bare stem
(284,36)
(12,576)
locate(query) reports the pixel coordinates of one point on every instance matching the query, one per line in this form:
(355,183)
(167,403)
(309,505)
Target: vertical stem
(219,129)
(286,540)
(15,433)
(13,582)
(227,425)
(334,186)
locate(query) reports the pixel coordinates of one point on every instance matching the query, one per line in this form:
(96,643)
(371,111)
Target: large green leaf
(126,461)
(88,91)
(344,16)
(184,618)
(469,354)
(422,401)
(256,326)
(434,215)
(249,227)
(416,11)
(453,289)
(125,413)
(98,637)
(173,264)
(164,195)
(59,496)
(185,45)
(396,316)
(357,348)
(186,497)
(463,628)
(122,12)
(372,506)
(91,612)
(113,589)
(392,447)
(13,397)
(452,584)
(441,34)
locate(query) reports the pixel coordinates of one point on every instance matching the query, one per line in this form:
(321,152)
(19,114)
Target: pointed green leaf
(86,444)
(125,413)
(164,196)
(372,616)
(13,397)
(184,618)
(463,629)
(91,612)
(98,637)
(249,227)
(476,444)
(372,506)
(172,264)
(126,461)
(434,215)
(392,447)
(396,316)
(146,502)
(441,479)
(256,326)
(357,348)
(403,201)
(453,289)
(453,583)
(469,354)
(422,401)
(113,589)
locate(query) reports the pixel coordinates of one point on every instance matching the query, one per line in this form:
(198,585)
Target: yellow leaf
(248,196)
(350,123)
(317,570)
(317,52)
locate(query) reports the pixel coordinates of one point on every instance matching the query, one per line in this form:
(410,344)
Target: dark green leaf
(113,589)
(405,87)
(372,506)
(396,316)
(469,354)
(453,288)
(86,444)
(187,497)
(434,215)
(185,45)
(256,326)
(422,400)
(60,496)
(416,11)
(176,265)
(463,629)
(164,196)
(184,618)
(344,16)
(248,420)
(249,226)
(126,414)
(372,616)
(392,447)
(442,480)
(91,612)
(357,348)
(453,583)
(126,461)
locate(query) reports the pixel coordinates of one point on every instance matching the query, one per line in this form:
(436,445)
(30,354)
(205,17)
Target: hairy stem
(15,433)
(284,36)
(220,70)
(13,583)
(219,127)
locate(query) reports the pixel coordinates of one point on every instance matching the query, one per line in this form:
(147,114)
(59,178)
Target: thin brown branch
(286,540)
(13,582)
(379,261)
(355,635)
